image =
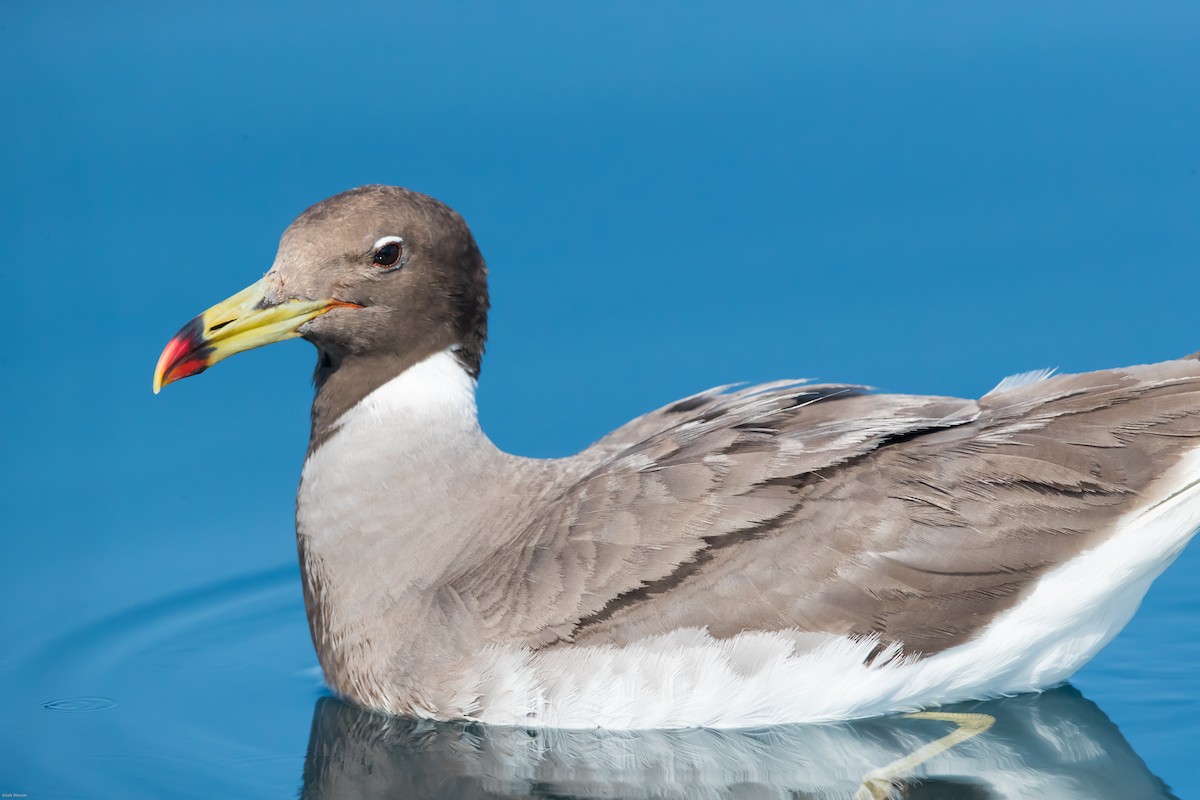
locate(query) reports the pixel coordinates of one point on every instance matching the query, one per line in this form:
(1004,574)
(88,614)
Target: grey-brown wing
(651,512)
(924,540)
(710,404)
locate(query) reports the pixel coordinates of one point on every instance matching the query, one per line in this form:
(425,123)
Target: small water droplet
(80,704)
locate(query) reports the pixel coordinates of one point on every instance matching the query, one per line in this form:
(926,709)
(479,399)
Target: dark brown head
(378,278)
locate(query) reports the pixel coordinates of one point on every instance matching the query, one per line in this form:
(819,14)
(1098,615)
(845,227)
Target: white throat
(436,391)
(405,447)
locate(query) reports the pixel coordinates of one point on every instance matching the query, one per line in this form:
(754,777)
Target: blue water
(669,198)
(214,690)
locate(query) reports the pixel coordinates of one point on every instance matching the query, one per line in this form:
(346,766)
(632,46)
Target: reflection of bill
(1054,745)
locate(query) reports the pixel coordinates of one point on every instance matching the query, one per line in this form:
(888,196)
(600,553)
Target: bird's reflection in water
(1054,745)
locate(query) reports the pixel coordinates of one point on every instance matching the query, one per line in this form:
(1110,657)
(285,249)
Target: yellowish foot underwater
(880,784)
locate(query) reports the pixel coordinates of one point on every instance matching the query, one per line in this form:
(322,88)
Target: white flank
(689,679)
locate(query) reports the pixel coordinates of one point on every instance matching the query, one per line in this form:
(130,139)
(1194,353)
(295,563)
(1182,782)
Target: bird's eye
(388,252)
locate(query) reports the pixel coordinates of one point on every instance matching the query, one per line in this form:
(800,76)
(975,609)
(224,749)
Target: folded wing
(829,509)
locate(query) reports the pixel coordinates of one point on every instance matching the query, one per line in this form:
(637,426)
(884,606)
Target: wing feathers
(828,509)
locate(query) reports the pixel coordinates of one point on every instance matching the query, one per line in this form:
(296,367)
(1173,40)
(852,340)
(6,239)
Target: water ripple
(80,704)
(211,692)
(208,690)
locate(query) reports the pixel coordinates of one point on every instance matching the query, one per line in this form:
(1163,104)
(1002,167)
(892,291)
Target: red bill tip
(185,355)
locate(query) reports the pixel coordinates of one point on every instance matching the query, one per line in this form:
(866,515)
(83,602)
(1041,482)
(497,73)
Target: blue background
(923,198)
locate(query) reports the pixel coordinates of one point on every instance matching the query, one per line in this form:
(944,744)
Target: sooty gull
(787,552)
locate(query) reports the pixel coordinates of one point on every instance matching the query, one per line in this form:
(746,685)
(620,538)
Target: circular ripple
(221,670)
(79,705)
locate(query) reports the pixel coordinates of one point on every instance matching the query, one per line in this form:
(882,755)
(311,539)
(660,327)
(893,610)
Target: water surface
(670,196)
(215,691)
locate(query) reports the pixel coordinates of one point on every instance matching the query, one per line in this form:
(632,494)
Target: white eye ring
(386,240)
(389,261)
